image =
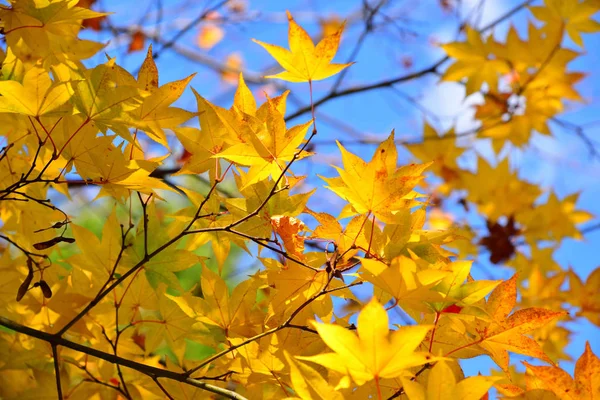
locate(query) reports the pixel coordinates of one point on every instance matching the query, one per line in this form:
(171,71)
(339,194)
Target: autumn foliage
(107,315)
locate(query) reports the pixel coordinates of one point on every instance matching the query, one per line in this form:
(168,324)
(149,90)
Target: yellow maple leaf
(344,237)
(256,358)
(454,288)
(441,383)
(375,352)
(305,62)
(155,113)
(554,220)
(56,25)
(573,16)
(97,256)
(268,147)
(585,296)
(504,332)
(38,95)
(494,182)
(148,75)
(234,313)
(293,285)
(404,281)
(445,153)
(170,324)
(585,384)
(476,60)
(377,187)
(308,383)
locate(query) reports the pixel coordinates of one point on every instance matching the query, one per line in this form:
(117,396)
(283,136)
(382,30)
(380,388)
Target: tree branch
(152,372)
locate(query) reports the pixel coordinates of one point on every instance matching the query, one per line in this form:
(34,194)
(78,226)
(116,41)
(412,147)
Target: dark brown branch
(152,372)
(364,88)
(57,372)
(27,253)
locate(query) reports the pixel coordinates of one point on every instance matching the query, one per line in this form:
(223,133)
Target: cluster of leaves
(107,317)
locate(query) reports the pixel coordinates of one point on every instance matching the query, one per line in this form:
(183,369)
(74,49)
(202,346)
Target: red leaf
(137,42)
(453,309)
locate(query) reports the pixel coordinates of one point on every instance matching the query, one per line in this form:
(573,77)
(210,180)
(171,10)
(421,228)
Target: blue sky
(560,163)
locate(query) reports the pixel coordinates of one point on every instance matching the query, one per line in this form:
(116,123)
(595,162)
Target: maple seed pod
(49,243)
(25,285)
(45,289)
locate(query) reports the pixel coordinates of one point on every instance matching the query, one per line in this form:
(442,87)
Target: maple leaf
(171,324)
(584,385)
(206,143)
(98,256)
(54,36)
(376,352)
(234,313)
(101,161)
(257,359)
(553,220)
(404,281)
(454,288)
(494,182)
(345,238)
(476,60)
(541,261)
(498,241)
(268,147)
(148,75)
(377,187)
(541,50)
(305,62)
(504,332)
(308,383)
(441,383)
(137,296)
(294,284)
(154,113)
(585,296)
(574,16)
(38,95)
(282,203)
(444,153)
(100,99)
(288,229)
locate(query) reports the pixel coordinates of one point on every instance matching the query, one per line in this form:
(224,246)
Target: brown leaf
(499,242)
